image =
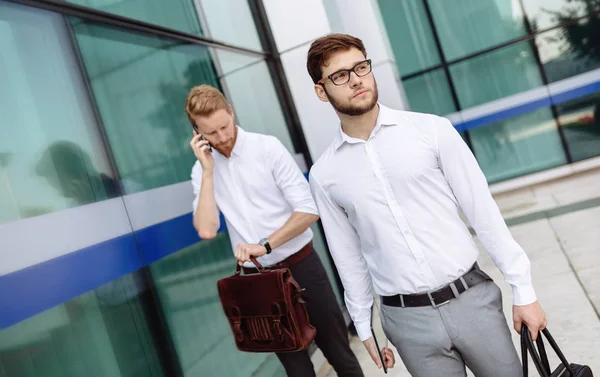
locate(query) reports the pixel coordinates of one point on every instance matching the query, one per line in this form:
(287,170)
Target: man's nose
(355,80)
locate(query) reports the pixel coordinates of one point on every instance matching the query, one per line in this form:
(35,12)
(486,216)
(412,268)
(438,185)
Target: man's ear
(320,90)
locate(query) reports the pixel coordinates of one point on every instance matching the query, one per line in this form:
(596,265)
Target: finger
(518,324)
(534,332)
(200,144)
(195,138)
(238,253)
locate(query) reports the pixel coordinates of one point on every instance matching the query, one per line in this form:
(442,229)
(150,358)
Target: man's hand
(202,152)
(244,251)
(386,353)
(532,315)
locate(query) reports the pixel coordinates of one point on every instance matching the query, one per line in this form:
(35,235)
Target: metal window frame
(529,37)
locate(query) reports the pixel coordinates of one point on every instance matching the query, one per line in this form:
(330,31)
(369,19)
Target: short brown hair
(204,100)
(325,47)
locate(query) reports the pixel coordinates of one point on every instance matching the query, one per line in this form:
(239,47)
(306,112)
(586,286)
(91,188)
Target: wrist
(265,243)
(207,173)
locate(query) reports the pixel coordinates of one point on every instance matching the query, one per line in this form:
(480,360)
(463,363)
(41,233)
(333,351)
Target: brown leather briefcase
(266,311)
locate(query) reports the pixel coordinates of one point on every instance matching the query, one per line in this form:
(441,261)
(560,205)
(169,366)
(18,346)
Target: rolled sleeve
(344,245)
(196,185)
(471,189)
(290,179)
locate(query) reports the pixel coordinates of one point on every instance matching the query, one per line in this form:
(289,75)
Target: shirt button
(407,232)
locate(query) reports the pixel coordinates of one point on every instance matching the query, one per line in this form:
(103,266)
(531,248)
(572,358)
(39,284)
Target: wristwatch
(265,242)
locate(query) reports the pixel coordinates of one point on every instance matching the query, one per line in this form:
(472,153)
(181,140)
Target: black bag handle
(540,360)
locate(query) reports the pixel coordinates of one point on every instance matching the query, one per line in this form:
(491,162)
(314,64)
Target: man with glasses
(389,191)
(266,201)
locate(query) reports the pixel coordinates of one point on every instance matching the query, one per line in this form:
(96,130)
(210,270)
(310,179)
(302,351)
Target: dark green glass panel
(105,332)
(187,286)
(173,14)
(141,84)
(518,146)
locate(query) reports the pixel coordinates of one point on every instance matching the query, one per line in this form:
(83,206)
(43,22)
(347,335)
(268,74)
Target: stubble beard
(355,110)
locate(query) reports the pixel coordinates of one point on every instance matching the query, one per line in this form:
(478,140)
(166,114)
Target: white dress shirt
(390,209)
(257,189)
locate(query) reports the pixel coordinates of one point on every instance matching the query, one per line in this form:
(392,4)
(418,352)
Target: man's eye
(340,75)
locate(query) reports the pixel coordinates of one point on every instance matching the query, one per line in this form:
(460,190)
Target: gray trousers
(470,330)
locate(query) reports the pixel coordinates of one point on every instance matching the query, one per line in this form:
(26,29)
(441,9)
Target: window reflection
(521,145)
(430,93)
(570,51)
(468,26)
(51,157)
(580,121)
(543,14)
(410,35)
(495,75)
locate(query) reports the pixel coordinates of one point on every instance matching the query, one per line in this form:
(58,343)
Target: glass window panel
(543,14)
(518,146)
(230,21)
(252,94)
(430,93)
(173,14)
(410,35)
(51,155)
(580,122)
(140,85)
(570,51)
(186,285)
(468,26)
(495,75)
(106,332)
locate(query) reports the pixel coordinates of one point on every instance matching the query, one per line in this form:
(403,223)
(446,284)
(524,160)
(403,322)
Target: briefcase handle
(540,360)
(261,269)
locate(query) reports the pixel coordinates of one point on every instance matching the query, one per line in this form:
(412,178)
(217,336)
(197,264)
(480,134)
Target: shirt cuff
(523,295)
(307,209)
(363,330)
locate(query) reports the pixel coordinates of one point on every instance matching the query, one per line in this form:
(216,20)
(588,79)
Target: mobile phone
(203,138)
(381,359)
(209,146)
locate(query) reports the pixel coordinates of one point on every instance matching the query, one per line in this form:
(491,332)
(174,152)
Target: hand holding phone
(202,149)
(384,354)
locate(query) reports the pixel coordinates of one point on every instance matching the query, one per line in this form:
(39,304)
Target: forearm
(206,218)
(297,223)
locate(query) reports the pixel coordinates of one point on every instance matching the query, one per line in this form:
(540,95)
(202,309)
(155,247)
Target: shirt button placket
(401,221)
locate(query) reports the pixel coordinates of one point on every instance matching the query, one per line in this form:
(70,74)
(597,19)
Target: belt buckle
(432,300)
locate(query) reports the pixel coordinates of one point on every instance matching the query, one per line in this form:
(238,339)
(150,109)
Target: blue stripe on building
(555,99)
(32,290)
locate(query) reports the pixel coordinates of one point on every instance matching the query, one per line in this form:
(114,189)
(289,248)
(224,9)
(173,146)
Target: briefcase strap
(261,269)
(540,360)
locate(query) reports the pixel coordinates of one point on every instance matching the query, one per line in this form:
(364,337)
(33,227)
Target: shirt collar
(386,117)
(240,142)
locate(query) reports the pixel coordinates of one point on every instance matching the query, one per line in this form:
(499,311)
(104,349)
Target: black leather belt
(440,296)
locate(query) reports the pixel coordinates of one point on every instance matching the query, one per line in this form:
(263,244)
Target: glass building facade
(519,78)
(102,273)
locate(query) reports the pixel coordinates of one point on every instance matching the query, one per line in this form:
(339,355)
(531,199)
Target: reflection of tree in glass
(170,116)
(581,39)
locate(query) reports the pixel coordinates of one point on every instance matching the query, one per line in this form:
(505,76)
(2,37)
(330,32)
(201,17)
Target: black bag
(541,360)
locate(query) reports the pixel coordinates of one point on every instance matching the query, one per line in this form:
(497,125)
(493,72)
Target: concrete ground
(558,225)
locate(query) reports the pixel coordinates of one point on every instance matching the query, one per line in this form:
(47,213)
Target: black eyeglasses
(342,76)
